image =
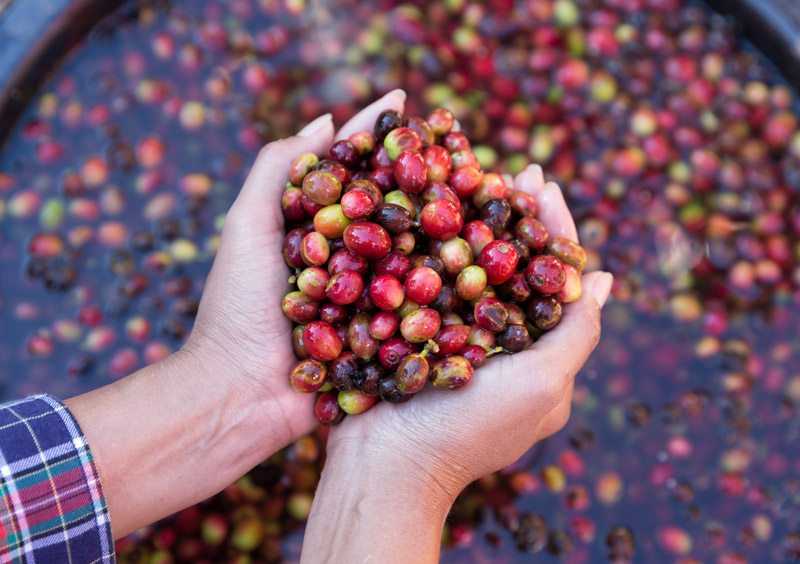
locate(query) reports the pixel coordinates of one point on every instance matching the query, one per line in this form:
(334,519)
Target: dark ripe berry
(394,264)
(545,274)
(451,318)
(331,221)
(395,219)
(393,351)
(298,307)
(410,172)
(465,180)
(359,339)
(568,251)
(354,402)
(571,292)
(314,249)
(363,141)
(383,325)
(441,220)
(312,282)
(380,158)
(456,141)
(327,410)
(342,371)
(420,325)
(447,300)
(456,255)
(477,234)
(308,376)
(368,240)
(451,373)
(404,243)
(515,315)
(441,121)
(544,312)
(345,260)
(386,122)
(345,287)
(523,204)
(370,377)
(532,232)
(430,261)
(412,374)
(364,303)
(440,191)
(357,204)
(300,166)
(495,214)
(336,169)
(297,342)
(499,259)
(452,338)
(345,152)
(383,177)
(490,314)
(291,248)
(514,338)
(400,140)
(322,187)
(423,129)
(321,341)
(522,250)
(309,206)
(333,313)
(292,204)
(481,337)
(387,388)
(386,292)
(471,282)
(422,285)
(492,187)
(438,162)
(516,289)
(475,355)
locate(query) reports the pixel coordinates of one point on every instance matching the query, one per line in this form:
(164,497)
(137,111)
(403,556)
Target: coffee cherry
(410,172)
(420,325)
(386,122)
(441,121)
(532,232)
(327,410)
(422,285)
(499,259)
(388,391)
(357,204)
(321,341)
(481,337)
(393,351)
(516,289)
(383,325)
(544,312)
(333,313)
(492,187)
(394,264)
(342,371)
(386,292)
(471,282)
(490,314)
(344,287)
(477,234)
(346,260)
(331,221)
(451,373)
(395,219)
(568,251)
(354,402)
(465,181)
(545,274)
(368,240)
(441,220)
(475,355)
(314,249)
(300,166)
(438,161)
(440,191)
(345,152)
(370,377)
(412,374)
(571,292)
(358,338)
(297,342)
(307,376)
(401,139)
(299,308)
(312,282)
(495,214)
(452,339)
(322,187)
(292,204)
(514,338)
(363,141)
(291,248)
(523,204)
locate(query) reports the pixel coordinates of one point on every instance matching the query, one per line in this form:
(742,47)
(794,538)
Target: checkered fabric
(52,507)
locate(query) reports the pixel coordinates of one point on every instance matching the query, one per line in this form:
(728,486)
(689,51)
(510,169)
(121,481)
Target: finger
(365,119)
(553,210)
(268,176)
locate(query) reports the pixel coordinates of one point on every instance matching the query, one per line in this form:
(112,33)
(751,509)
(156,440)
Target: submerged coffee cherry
(451,373)
(412,374)
(545,274)
(308,376)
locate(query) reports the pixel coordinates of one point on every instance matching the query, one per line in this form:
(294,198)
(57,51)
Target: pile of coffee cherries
(411,265)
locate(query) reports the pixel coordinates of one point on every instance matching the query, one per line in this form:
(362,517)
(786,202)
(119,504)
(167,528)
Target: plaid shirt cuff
(52,507)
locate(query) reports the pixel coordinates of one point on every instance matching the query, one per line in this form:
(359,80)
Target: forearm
(367,510)
(169,436)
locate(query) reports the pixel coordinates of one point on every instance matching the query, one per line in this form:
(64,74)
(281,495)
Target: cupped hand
(240,332)
(450,438)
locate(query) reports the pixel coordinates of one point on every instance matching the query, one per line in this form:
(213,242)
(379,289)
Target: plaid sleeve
(52,507)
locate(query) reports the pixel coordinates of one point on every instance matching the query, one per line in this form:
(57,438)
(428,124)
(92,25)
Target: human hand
(453,438)
(240,332)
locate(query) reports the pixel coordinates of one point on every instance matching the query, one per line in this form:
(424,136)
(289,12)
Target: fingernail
(315,126)
(600,287)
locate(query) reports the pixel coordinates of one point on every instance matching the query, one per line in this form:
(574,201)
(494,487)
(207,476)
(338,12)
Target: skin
(177,432)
